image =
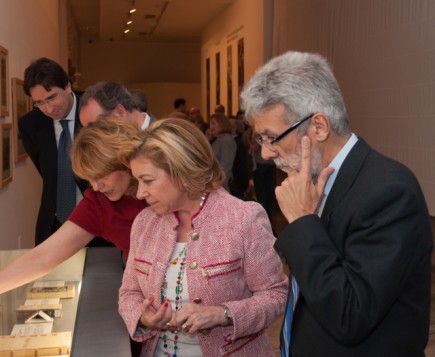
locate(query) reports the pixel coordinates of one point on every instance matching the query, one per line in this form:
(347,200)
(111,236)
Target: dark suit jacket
(364,267)
(37,133)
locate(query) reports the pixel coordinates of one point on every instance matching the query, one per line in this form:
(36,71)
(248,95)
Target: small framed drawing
(4,82)
(5,154)
(20,106)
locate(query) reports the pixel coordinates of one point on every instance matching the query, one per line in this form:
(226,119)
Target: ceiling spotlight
(132,7)
(127,30)
(129,22)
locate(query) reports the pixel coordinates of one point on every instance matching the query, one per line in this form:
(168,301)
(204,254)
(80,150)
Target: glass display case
(92,314)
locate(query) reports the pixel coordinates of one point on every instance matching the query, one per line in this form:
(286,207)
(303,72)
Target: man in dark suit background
(359,241)
(49,86)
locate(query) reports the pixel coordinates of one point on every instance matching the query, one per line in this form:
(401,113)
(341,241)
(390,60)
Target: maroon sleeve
(88,214)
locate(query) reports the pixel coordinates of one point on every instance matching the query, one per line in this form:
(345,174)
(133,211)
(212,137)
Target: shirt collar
(338,161)
(146,121)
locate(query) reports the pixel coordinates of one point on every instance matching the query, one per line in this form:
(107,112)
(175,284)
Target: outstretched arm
(60,246)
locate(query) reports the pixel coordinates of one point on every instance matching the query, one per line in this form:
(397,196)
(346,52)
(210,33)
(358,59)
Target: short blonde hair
(180,149)
(95,150)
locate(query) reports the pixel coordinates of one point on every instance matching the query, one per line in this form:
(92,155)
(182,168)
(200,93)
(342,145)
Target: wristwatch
(227,315)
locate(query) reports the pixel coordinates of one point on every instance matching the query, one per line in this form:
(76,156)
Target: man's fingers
(305,157)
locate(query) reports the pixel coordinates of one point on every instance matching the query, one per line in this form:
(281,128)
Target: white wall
(28,30)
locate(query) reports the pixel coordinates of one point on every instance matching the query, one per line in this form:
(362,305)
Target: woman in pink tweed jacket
(202,277)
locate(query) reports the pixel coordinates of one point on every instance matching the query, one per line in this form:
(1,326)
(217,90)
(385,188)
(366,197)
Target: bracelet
(142,331)
(227,315)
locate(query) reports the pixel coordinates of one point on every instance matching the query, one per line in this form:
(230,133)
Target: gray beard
(294,163)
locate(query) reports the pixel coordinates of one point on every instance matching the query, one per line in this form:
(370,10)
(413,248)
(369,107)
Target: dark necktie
(66,187)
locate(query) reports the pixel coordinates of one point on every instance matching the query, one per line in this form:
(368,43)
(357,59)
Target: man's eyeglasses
(51,98)
(274,139)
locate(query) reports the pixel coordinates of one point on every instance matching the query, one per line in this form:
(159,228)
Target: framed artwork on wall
(4,82)
(218,78)
(240,64)
(5,154)
(208,84)
(20,106)
(230,80)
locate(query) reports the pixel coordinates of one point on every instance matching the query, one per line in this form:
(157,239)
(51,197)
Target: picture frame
(218,78)
(230,80)
(20,106)
(5,154)
(240,64)
(4,82)
(208,85)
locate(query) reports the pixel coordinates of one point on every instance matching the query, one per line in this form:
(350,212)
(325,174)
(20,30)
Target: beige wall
(150,65)
(244,19)
(27,39)
(161,95)
(383,54)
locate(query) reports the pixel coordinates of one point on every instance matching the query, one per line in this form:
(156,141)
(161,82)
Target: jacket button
(195,236)
(197,301)
(193,265)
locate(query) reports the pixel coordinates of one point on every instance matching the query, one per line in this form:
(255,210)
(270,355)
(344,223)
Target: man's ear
(119,111)
(321,126)
(68,88)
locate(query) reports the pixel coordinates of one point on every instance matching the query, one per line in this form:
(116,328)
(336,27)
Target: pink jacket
(233,263)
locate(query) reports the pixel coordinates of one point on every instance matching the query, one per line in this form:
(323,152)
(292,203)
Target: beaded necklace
(181,259)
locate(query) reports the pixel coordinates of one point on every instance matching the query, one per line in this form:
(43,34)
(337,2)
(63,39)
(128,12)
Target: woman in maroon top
(107,210)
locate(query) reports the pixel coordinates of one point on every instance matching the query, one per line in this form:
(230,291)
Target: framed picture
(240,64)
(218,78)
(20,106)
(208,85)
(4,82)
(5,154)
(229,80)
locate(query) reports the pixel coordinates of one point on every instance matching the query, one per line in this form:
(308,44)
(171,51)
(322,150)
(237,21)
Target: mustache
(294,163)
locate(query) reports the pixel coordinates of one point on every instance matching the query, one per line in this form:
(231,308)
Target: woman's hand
(153,319)
(192,318)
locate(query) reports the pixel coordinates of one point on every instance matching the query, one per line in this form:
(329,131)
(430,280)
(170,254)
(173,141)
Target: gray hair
(303,83)
(108,95)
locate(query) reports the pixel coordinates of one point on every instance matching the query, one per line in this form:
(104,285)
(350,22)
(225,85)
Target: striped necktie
(66,186)
(286,330)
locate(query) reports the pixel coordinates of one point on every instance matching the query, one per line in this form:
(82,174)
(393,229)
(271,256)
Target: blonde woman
(107,210)
(202,277)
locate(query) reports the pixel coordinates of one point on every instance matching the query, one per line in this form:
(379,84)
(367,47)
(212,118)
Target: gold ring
(186,326)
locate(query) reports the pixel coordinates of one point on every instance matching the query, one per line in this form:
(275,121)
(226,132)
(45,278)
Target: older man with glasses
(358,241)
(47,132)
